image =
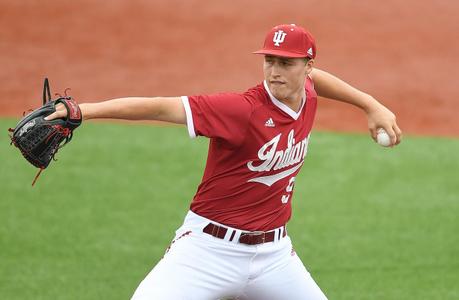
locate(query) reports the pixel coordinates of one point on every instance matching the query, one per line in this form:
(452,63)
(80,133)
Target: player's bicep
(321,82)
(329,86)
(171,110)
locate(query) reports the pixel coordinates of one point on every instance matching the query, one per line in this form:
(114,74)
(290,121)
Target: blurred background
(368,222)
(402,52)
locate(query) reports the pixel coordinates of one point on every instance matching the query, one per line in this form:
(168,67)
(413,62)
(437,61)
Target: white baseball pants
(198,266)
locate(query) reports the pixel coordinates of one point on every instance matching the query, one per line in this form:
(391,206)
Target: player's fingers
(392,136)
(60,112)
(373,133)
(51,116)
(398,132)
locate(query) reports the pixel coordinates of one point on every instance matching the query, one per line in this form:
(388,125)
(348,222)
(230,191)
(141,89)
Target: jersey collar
(295,115)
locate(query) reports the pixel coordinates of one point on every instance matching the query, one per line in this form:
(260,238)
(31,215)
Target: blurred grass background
(369,222)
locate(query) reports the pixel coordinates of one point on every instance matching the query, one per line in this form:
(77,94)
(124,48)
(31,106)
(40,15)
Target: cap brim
(280,53)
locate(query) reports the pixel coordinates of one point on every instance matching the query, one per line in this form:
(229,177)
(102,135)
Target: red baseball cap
(289,40)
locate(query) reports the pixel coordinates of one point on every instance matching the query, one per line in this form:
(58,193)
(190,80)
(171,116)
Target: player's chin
(279,92)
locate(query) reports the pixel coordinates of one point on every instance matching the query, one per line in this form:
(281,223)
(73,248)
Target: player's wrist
(369,104)
(86,111)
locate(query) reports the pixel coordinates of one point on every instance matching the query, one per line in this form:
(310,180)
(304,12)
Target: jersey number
(289,190)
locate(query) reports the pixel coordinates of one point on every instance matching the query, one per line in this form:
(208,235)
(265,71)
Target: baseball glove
(39,139)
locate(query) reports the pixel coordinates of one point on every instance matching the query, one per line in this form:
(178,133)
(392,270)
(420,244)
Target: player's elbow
(170,109)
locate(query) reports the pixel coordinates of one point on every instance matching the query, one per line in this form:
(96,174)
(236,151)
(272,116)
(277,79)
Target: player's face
(286,76)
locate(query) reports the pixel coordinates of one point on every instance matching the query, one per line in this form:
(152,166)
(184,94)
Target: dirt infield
(402,52)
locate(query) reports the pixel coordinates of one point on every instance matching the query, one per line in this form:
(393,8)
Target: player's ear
(309,65)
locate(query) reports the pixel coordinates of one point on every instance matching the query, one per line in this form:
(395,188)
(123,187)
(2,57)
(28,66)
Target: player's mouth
(276,82)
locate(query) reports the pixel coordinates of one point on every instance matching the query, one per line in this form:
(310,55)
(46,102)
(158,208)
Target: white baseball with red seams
(383,138)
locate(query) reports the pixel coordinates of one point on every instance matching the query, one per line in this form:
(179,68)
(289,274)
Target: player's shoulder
(251,99)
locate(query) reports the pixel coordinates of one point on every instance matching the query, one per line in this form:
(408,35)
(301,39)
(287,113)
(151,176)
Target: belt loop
(228,235)
(236,236)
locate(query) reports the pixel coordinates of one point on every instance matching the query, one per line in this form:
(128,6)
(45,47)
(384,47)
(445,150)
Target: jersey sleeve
(224,116)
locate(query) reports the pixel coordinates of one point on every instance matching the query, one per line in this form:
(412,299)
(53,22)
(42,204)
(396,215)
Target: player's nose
(275,71)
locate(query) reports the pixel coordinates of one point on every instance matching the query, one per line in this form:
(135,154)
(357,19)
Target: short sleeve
(224,116)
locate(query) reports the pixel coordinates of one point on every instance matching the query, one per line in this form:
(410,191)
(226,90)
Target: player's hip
(214,232)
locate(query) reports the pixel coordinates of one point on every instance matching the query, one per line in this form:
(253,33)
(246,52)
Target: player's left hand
(381,117)
(61,112)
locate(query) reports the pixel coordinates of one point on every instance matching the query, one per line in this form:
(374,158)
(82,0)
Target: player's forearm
(121,108)
(136,108)
(378,115)
(332,87)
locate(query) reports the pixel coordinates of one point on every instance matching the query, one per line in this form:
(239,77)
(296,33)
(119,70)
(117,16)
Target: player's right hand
(381,117)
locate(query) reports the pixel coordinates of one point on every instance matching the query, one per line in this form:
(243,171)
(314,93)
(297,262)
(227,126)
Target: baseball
(383,138)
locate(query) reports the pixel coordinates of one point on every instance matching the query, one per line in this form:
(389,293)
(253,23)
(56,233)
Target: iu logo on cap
(279,37)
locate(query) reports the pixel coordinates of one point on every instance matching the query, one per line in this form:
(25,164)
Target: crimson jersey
(257,147)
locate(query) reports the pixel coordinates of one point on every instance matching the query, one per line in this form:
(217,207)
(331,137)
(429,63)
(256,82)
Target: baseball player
(234,239)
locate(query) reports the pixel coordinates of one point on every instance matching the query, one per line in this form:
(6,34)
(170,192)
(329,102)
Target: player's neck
(294,102)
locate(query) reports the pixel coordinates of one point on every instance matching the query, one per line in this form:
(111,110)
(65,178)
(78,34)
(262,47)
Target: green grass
(369,223)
